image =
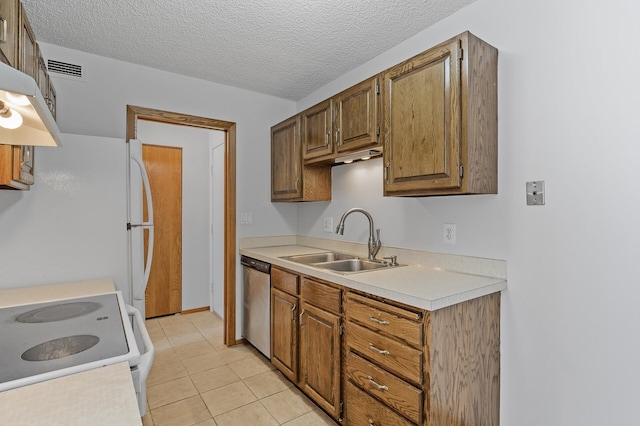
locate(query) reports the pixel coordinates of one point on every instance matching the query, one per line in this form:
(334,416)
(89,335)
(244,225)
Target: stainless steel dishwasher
(256,313)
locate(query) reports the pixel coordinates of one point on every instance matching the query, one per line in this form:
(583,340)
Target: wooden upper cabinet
(356,123)
(345,123)
(45,84)
(9,10)
(317,139)
(286,173)
(28,49)
(290,180)
(440,121)
(16,166)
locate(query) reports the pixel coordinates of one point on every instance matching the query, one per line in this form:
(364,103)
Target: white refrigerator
(138,188)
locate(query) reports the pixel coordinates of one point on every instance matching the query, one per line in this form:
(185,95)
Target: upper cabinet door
(286,161)
(356,116)
(317,139)
(28,51)
(422,118)
(440,121)
(9,31)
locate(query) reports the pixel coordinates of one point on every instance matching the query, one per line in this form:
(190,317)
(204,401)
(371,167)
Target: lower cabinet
(385,359)
(306,345)
(394,364)
(284,333)
(320,357)
(362,409)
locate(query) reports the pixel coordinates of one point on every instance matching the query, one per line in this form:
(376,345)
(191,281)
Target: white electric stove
(47,340)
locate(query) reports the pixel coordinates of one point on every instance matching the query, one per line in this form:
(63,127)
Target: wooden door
(317,136)
(422,120)
(356,116)
(284,333)
(286,161)
(320,357)
(164,290)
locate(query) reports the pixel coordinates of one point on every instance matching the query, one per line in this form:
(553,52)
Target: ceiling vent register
(65,69)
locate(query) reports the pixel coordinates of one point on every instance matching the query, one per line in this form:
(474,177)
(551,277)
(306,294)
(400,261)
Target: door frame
(135,113)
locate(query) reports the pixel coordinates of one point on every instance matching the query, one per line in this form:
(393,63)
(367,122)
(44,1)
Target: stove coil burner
(58,312)
(60,348)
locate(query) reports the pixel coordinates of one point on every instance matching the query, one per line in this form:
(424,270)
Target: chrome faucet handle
(393,260)
(375,247)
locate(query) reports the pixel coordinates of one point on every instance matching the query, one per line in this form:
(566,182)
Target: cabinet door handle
(379,387)
(326,139)
(380,351)
(293,314)
(377,321)
(371,423)
(4,30)
(337,137)
(301,314)
(386,172)
(296,183)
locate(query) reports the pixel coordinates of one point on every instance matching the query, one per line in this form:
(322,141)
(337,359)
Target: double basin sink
(340,262)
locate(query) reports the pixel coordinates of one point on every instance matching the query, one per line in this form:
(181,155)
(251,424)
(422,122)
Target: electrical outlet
(246,218)
(328,224)
(449,235)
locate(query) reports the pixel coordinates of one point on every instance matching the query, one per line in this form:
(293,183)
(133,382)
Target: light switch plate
(535,193)
(328,224)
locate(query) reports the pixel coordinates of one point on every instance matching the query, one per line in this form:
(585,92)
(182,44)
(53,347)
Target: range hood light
(25,118)
(9,119)
(362,155)
(21,100)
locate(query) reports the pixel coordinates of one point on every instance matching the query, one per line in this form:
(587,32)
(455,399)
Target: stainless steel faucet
(374,240)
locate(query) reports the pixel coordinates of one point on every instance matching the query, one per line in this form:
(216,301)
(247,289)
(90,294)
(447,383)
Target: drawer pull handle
(377,321)
(373,382)
(380,351)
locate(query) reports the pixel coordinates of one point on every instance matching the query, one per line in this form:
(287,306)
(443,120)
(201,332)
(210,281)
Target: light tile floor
(197,380)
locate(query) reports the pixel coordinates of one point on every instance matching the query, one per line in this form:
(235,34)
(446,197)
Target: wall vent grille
(64,68)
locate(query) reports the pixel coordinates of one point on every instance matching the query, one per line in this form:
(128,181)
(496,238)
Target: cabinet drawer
(362,409)
(285,281)
(390,354)
(321,295)
(395,321)
(391,390)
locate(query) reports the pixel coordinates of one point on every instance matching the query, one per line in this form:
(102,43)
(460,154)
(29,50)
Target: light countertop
(103,396)
(415,285)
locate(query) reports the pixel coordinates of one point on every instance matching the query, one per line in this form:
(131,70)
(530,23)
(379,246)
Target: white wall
(71,225)
(196,255)
(568,108)
(98,107)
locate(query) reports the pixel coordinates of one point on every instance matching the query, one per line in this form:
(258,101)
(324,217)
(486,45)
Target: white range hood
(20,94)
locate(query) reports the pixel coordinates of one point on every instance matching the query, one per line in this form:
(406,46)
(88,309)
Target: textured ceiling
(285,48)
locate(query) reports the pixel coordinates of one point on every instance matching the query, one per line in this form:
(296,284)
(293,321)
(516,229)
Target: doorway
(134,114)
(164,290)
